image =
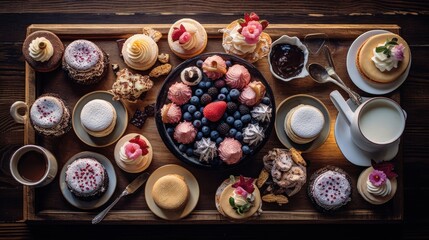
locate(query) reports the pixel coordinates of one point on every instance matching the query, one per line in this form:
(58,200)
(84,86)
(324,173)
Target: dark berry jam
(287,60)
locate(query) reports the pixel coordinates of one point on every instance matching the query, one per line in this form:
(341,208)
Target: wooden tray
(47,203)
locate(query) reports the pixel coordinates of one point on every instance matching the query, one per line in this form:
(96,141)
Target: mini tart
(98,118)
(175,46)
(170,192)
(366,66)
(262,48)
(138,166)
(228,211)
(54,61)
(373,199)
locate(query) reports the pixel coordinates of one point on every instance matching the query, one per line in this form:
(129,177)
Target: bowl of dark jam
(288,58)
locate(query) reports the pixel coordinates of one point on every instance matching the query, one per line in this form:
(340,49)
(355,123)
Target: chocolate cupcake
(84,62)
(43,51)
(329,188)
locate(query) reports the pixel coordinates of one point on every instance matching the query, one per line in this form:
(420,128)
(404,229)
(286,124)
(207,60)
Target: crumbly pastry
(262,112)
(375,187)
(304,123)
(130,86)
(245,38)
(154,34)
(86,178)
(386,65)
(84,62)
(140,52)
(98,117)
(170,192)
(43,51)
(329,188)
(164,57)
(50,115)
(206,150)
(160,70)
(187,38)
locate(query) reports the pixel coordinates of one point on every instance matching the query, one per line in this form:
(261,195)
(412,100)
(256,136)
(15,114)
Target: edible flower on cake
(242,198)
(134,150)
(378,182)
(388,55)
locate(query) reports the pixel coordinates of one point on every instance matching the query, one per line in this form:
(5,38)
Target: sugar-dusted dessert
(133,153)
(246,38)
(378,184)
(383,57)
(130,86)
(50,116)
(140,52)
(43,51)
(329,188)
(84,62)
(98,117)
(238,198)
(86,178)
(170,192)
(187,38)
(304,123)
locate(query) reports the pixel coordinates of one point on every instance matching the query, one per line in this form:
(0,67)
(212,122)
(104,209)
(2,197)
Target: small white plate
(358,80)
(121,120)
(88,205)
(292,102)
(191,181)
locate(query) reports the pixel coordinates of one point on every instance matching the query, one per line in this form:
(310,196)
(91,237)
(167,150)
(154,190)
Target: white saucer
(191,181)
(128,167)
(121,120)
(349,149)
(355,76)
(88,205)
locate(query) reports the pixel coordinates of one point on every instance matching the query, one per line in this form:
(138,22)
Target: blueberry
(197,123)
(238,124)
(221,97)
(266,100)
(214,135)
(228,98)
(208,84)
(199,92)
(205,130)
(195,100)
(187,116)
(170,131)
(192,109)
(234,94)
(199,135)
(246,118)
(224,90)
(185,107)
(198,115)
(237,115)
(199,63)
(228,63)
(245,149)
(182,147)
(202,84)
(190,152)
(219,140)
(239,136)
(232,132)
(230,120)
(225,116)
(201,109)
(205,121)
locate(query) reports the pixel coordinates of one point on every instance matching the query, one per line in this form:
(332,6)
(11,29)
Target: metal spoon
(320,75)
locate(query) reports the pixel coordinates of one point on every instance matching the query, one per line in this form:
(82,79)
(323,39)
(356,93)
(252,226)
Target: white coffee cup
(375,126)
(33,166)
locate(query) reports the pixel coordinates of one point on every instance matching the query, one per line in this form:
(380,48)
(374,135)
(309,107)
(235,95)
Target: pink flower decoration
(133,150)
(251,32)
(240,191)
(377,178)
(398,52)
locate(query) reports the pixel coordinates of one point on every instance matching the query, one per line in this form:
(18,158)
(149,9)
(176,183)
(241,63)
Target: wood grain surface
(411,16)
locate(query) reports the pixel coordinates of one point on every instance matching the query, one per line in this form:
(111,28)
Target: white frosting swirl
(382,191)
(239,43)
(382,62)
(138,51)
(41,49)
(253,134)
(125,159)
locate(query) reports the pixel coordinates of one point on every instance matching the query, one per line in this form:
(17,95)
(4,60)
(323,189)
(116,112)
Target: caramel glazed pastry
(84,62)
(43,51)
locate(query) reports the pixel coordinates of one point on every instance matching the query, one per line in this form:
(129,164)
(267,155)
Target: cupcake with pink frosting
(185,132)
(214,67)
(179,93)
(230,151)
(237,76)
(171,113)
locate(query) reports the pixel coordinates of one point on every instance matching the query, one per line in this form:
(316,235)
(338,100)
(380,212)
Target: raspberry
(213,92)
(231,107)
(243,109)
(219,83)
(205,99)
(223,128)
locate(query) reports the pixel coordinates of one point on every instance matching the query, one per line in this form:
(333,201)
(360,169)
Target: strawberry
(184,38)
(143,145)
(177,32)
(214,111)
(253,16)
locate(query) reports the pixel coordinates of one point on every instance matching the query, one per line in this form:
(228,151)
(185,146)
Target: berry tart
(215,110)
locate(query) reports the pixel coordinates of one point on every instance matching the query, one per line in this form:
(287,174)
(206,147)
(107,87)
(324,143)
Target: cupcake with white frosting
(376,186)
(187,38)
(133,153)
(140,52)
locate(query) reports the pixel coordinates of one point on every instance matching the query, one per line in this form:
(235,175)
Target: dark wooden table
(412,17)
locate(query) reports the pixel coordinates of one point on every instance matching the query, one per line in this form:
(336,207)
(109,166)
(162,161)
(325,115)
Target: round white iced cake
(98,117)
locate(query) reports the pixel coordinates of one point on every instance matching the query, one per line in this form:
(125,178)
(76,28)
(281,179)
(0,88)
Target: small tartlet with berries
(133,153)
(187,38)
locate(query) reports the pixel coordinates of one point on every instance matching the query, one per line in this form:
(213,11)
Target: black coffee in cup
(32,166)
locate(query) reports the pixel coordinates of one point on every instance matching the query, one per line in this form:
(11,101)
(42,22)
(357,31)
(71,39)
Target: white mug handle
(14,111)
(341,105)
